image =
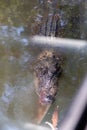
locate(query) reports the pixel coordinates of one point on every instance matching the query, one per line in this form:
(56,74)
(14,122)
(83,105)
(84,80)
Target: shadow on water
(21,19)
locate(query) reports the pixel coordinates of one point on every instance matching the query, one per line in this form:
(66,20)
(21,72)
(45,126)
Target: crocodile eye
(45,70)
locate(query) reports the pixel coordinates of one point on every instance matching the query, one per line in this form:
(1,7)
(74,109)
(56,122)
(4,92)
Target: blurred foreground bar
(58,42)
(76,118)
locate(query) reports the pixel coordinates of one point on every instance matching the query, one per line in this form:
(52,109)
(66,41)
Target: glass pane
(19,21)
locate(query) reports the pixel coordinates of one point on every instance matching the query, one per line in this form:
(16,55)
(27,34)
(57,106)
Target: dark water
(18,100)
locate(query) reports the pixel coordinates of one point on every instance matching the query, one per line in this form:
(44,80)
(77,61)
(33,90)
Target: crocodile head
(47,73)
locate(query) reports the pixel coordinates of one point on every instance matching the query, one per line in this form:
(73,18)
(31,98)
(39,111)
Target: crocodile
(47,71)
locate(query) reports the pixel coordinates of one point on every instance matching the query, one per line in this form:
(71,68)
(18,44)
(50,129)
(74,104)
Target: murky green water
(18,100)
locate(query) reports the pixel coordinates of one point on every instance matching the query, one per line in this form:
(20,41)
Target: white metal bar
(59,42)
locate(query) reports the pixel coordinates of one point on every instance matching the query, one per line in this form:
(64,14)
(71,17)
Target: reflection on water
(18,100)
